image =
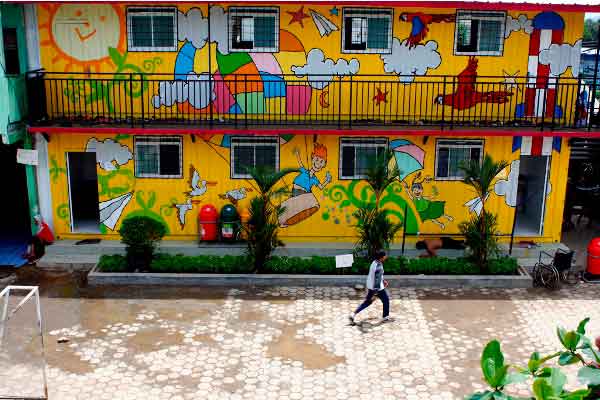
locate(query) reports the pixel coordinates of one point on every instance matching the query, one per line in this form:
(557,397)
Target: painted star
(380,96)
(334,11)
(298,16)
(510,81)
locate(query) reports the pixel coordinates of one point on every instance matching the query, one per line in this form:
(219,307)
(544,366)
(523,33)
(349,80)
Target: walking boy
(375,287)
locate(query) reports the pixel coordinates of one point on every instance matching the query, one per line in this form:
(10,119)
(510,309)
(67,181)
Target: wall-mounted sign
(27,157)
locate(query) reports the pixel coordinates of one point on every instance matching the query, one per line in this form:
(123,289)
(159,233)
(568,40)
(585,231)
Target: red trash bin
(207,222)
(593,257)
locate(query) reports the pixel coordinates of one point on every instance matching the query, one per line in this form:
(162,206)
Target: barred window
(358,154)
(152,29)
(251,152)
(158,157)
(451,154)
(479,33)
(11,51)
(367,30)
(254,29)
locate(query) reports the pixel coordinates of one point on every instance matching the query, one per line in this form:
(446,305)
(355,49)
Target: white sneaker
(351,319)
(386,319)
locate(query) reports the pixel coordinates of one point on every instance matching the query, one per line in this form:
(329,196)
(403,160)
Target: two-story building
(156,109)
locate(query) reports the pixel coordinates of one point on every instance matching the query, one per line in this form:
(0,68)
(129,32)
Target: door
(531,195)
(83,192)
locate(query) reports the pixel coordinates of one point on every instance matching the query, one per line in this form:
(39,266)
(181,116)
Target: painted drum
(298,208)
(593,258)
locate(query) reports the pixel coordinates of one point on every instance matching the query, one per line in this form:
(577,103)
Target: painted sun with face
(80,34)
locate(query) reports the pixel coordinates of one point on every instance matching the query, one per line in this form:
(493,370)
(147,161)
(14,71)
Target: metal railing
(241,100)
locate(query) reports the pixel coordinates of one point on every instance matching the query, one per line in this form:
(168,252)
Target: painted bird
(466,96)
(198,187)
(182,209)
(235,195)
(420,25)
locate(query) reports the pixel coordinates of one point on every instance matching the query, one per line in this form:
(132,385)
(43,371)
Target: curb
(97,278)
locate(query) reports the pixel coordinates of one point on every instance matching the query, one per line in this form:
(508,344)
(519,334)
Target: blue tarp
(12,249)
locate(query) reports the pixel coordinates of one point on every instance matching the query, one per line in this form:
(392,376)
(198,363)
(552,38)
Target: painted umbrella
(409,157)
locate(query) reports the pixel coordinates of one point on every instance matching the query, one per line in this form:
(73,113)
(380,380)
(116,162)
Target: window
(254,29)
(479,33)
(357,154)
(11,51)
(450,154)
(249,152)
(158,157)
(152,29)
(367,30)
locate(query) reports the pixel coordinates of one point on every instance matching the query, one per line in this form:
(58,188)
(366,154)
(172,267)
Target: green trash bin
(230,224)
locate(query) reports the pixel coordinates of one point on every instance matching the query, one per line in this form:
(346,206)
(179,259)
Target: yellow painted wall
(333,221)
(92,38)
(77,38)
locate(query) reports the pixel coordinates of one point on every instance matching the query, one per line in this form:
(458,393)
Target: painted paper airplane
(476,205)
(324,25)
(111,210)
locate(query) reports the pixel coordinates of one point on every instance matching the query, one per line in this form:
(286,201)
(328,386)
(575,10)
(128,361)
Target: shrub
(167,263)
(375,230)
(112,263)
(141,235)
(480,234)
(263,224)
(480,231)
(547,383)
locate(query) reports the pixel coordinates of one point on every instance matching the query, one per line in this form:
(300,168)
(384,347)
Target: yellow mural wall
(92,38)
(158,197)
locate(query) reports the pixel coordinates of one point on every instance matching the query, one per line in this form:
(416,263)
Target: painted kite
(466,95)
(420,23)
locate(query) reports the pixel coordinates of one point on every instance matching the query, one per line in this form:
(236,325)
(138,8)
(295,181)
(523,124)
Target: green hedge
(313,265)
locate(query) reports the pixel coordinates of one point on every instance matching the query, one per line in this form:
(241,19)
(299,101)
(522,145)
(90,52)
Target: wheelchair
(559,270)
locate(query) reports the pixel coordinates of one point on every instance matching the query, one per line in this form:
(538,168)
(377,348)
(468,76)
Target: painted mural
(305,76)
(93,38)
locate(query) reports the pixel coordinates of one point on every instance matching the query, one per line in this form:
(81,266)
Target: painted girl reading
(428,209)
(303,202)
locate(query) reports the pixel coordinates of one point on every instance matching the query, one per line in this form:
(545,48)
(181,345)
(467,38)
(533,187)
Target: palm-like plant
(480,231)
(262,228)
(375,230)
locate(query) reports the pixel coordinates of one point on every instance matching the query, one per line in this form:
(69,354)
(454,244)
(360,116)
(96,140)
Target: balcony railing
(243,101)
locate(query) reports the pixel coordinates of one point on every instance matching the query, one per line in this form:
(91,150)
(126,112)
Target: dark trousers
(383,296)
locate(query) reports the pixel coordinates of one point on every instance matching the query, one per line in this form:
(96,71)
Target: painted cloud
(109,152)
(560,57)
(516,24)
(407,62)
(508,187)
(193,27)
(321,70)
(197,90)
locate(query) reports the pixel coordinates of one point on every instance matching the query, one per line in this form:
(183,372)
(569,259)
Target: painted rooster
(420,25)
(466,96)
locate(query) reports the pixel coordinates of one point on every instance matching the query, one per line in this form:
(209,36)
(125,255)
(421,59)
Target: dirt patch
(62,356)
(311,354)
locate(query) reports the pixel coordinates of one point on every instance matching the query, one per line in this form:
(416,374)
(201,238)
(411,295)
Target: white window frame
(455,143)
(482,16)
(151,11)
(356,143)
(246,12)
(365,13)
(157,141)
(260,141)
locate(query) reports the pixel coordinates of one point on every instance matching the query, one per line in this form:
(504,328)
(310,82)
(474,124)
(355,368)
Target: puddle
(311,354)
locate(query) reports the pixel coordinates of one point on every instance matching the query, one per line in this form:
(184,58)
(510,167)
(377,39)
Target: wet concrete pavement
(284,343)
